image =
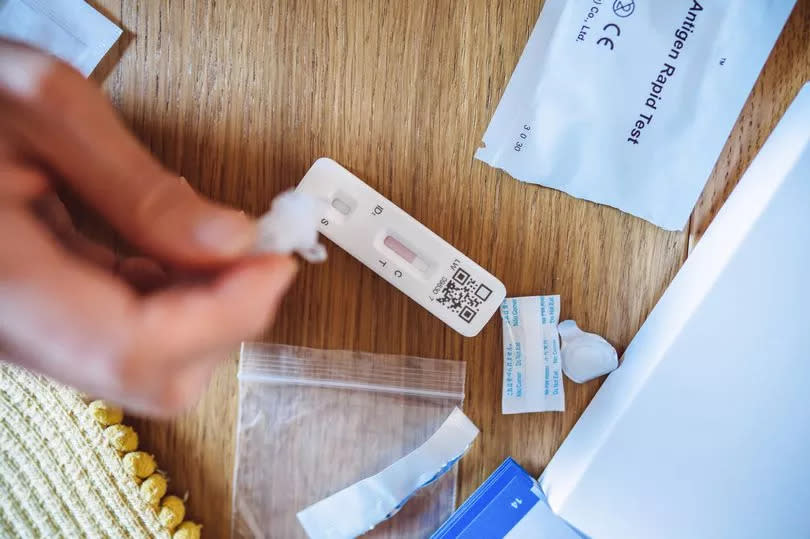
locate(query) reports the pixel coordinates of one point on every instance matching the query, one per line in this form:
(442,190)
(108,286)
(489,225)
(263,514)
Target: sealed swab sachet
(532,370)
(69,29)
(313,422)
(585,356)
(358,508)
(630,103)
(291,226)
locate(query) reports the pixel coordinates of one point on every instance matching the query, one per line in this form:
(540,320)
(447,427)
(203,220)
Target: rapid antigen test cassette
(403,251)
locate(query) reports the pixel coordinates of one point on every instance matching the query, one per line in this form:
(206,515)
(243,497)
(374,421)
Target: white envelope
(704,430)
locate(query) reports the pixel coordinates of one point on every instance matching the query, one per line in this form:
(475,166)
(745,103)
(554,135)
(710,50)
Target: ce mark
(606,41)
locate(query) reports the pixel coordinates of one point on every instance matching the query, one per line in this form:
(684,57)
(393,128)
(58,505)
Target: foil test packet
(630,103)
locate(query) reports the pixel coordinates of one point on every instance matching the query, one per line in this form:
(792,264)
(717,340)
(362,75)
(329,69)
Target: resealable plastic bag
(629,103)
(313,422)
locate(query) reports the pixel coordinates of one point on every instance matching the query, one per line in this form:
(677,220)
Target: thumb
(171,221)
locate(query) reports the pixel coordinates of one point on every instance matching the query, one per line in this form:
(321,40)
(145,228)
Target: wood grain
(241,97)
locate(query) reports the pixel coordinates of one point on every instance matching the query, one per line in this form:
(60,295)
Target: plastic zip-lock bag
(313,422)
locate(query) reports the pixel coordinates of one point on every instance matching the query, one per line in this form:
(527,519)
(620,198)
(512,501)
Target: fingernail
(229,234)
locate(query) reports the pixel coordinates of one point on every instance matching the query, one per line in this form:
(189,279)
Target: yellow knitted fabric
(59,476)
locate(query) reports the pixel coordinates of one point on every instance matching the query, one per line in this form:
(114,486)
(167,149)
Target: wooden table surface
(241,97)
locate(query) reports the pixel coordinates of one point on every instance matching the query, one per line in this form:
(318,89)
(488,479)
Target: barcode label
(463,295)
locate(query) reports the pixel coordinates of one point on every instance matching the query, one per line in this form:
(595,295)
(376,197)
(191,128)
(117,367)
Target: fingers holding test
(196,326)
(64,308)
(74,321)
(237,305)
(52,211)
(59,314)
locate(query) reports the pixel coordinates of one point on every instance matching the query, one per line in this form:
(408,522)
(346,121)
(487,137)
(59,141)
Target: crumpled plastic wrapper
(291,226)
(585,356)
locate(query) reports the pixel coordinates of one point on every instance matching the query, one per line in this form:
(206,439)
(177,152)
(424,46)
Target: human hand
(122,329)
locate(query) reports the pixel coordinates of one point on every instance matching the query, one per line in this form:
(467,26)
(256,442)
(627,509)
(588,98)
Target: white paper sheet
(359,507)
(704,431)
(69,29)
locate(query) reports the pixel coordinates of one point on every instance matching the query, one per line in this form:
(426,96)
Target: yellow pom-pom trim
(122,437)
(153,489)
(139,464)
(188,530)
(105,413)
(172,512)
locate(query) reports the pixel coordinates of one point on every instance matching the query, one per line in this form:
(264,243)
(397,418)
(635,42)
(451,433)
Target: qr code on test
(463,295)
